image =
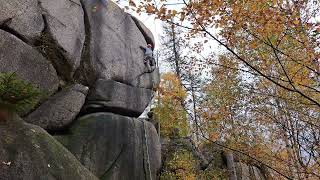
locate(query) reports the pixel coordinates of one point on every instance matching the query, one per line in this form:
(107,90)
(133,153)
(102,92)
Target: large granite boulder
(27,152)
(20,58)
(22,17)
(115,41)
(65,24)
(60,110)
(115,147)
(112,96)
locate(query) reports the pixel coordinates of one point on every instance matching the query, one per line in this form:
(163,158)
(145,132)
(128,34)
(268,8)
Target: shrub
(16,94)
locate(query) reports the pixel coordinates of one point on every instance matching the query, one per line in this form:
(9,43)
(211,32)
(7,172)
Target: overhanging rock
(145,31)
(112,96)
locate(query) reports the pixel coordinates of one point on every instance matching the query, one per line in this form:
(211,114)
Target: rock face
(59,110)
(131,152)
(27,152)
(112,96)
(65,23)
(20,58)
(22,16)
(115,43)
(147,80)
(145,31)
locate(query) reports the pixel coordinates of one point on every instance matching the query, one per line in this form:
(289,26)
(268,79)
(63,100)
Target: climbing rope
(147,150)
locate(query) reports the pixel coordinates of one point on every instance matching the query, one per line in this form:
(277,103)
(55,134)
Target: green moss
(16,94)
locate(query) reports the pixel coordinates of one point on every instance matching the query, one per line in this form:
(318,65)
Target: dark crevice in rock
(116,110)
(145,35)
(6,28)
(85,74)
(131,81)
(50,49)
(75,2)
(6,21)
(126,82)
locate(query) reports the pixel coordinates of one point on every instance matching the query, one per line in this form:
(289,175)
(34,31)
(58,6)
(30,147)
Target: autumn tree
(175,50)
(168,109)
(266,85)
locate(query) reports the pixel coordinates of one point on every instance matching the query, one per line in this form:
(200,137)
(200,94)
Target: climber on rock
(148,58)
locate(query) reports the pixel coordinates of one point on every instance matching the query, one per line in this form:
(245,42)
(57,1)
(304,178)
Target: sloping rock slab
(60,110)
(115,43)
(22,16)
(115,147)
(27,152)
(27,63)
(112,96)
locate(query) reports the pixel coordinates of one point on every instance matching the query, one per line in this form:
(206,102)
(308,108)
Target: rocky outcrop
(60,110)
(27,152)
(115,42)
(112,96)
(20,58)
(132,150)
(67,48)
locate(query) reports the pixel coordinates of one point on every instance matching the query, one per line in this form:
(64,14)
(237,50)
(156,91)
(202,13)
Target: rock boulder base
(27,152)
(115,147)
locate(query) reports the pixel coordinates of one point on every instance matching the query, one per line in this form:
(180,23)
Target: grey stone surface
(147,80)
(145,31)
(60,110)
(27,63)
(115,43)
(29,153)
(115,147)
(65,21)
(22,16)
(112,96)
